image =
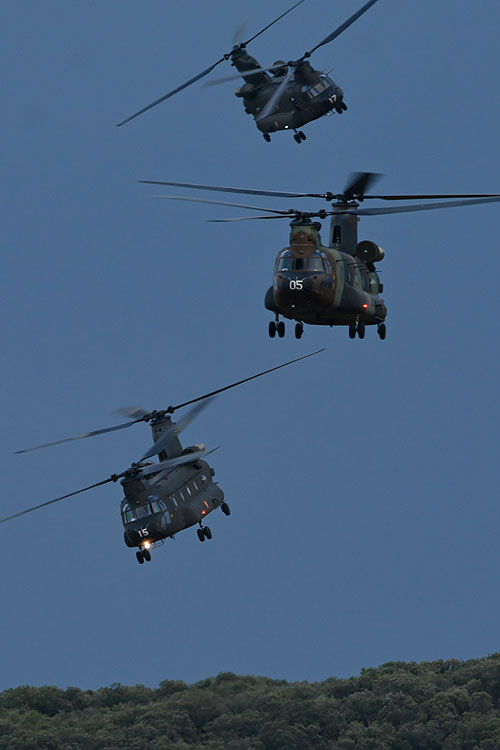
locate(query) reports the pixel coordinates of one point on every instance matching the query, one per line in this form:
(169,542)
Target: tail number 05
(295,284)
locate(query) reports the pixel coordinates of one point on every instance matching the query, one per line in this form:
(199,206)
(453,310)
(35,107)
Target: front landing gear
(203,533)
(356,328)
(266,137)
(299,137)
(276,327)
(142,555)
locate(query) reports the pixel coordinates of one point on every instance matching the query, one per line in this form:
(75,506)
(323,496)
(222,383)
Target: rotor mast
(344,229)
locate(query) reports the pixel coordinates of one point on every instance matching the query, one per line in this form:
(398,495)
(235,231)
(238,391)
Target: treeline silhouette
(440,705)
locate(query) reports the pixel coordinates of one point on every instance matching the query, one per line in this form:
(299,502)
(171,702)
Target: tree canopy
(440,705)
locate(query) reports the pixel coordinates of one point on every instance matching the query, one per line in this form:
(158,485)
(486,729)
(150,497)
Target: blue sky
(364,482)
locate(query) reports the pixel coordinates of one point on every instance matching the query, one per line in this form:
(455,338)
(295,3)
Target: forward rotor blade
(163,442)
(241,191)
(171,463)
(419,207)
(243,73)
(80,437)
(171,93)
(56,499)
(245,380)
(338,31)
(246,218)
(271,103)
(132,411)
(244,44)
(360,181)
(220,203)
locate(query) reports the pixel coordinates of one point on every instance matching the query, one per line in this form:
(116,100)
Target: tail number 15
(295,284)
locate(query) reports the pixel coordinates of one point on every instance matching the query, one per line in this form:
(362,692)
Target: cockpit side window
(314,91)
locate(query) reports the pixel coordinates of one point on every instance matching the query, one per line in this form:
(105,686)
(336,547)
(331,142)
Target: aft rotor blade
(56,499)
(162,443)
(171,93)
(122,426)
(419,207)
(221,203)
(244,44)
(429,196)
(360,181)
(338,31)
(241,191)
(245,380)
(271,103)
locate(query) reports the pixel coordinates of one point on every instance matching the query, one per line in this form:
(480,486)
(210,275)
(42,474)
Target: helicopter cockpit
(313,91)
(152,506)
(315,262)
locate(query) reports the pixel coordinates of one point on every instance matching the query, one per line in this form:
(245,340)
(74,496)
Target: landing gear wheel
(299,330)
(297,138)
(267,137)
(361,330)
(201,535)
(352,330)
(344,106)
(382,331)
(226,509)
(272,329)
(140,558)
(146,555)
(281,329)
(302,136)
(207,532)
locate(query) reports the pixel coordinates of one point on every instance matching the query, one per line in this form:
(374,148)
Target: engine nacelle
(369,252)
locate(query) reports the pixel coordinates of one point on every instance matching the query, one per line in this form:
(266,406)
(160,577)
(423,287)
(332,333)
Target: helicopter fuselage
(321,285)
(159,506)
(308,95)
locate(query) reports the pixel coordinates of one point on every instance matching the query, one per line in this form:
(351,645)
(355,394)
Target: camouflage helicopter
(336,285)
(283,96)
(171,495)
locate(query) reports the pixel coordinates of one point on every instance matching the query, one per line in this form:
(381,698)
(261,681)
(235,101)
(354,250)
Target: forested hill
(441,705)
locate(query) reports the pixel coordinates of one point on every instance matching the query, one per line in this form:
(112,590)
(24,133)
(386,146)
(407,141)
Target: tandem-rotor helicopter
(283,96)
(336,285)
(171,495)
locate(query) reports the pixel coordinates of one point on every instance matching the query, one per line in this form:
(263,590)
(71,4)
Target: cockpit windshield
(131,514)
(313,263)
(314,91)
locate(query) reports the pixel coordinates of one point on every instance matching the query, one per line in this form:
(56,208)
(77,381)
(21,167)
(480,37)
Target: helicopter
(283,96)
(165,497)
(336,285)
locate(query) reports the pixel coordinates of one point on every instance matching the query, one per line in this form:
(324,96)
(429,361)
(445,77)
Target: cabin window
(155,507)
(188,491)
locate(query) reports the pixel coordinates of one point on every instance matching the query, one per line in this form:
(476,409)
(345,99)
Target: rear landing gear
(201,535)
(382,331)
(300,136)
(352,330)
(267,137)
(226,509)
(361,330)
(299,330)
